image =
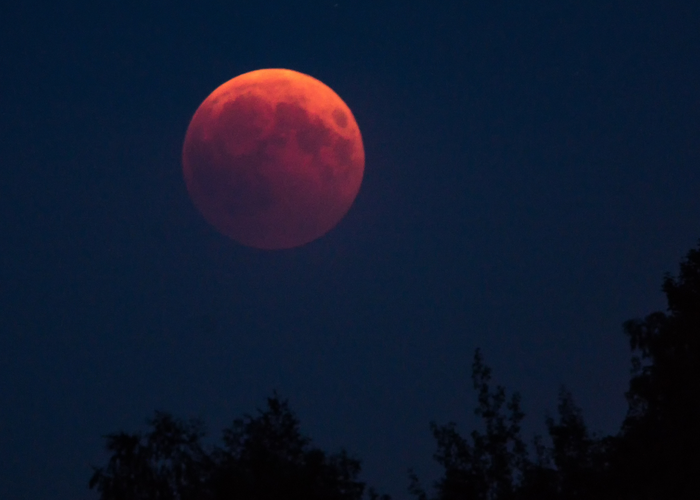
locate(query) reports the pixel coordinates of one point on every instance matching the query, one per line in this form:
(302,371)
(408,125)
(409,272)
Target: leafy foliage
(661,433)
(496,464)
(489,465)
(262,457)
(653,456)
(265,457)
(167,463)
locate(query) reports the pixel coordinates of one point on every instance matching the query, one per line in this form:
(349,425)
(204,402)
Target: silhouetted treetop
(491,464)
(263,457)
(661,433)
(496,464)
(654,456)
(266,457)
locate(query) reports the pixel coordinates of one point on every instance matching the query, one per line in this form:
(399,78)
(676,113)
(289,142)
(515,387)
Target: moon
(273,159)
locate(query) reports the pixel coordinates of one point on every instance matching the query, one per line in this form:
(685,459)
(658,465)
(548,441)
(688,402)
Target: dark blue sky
(532,171)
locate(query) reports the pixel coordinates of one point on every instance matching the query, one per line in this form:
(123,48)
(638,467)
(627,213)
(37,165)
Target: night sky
(532,171)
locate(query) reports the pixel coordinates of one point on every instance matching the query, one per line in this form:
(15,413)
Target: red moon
(273,159)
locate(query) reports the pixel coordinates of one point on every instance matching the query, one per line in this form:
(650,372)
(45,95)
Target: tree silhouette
(262,458)
(169,462)
(496,464)
(265,457)
(657,455)
(654,456)
(492,463)
(579,459)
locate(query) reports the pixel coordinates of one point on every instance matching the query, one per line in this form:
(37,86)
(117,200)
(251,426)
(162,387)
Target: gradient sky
(532,171)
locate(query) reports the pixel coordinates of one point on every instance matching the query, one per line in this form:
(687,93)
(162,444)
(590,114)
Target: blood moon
(273,158)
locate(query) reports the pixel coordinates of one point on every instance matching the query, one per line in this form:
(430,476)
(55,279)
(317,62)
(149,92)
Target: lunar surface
(273,159)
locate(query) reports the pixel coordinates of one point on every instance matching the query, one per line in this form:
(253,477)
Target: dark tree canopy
(496,464)
(264,457)
(490,464)
(653,456)
(660,438)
